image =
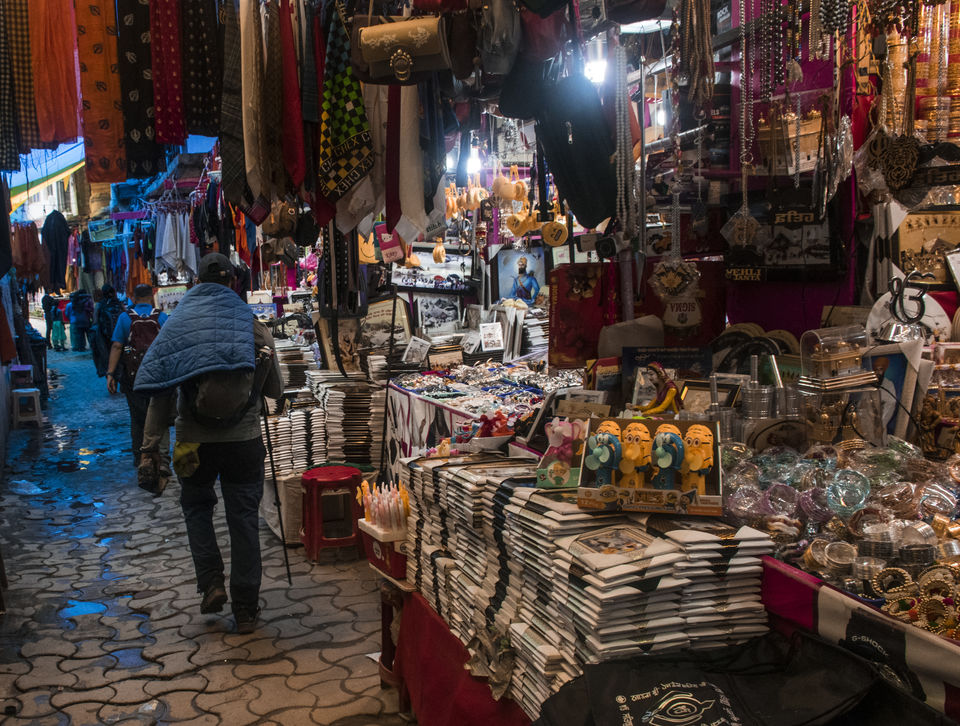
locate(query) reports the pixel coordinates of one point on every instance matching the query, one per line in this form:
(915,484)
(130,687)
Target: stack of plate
(354,420)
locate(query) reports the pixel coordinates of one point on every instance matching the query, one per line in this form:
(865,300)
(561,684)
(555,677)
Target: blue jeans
(239,465)
(78,336)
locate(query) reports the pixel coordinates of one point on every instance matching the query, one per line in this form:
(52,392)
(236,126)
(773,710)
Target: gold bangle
(890,582)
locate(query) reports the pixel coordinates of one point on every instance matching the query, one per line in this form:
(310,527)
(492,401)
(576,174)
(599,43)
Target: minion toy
(667,456)
(604,452)
(635,461)
(698,458)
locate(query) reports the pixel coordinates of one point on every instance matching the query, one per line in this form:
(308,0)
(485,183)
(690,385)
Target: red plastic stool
(331,491)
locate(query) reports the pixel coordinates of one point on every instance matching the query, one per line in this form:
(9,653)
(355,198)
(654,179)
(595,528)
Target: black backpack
(144,329)
(220,399)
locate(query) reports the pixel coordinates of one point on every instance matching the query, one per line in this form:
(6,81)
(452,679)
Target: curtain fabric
(18,36)
(167,71)
(53,51)
(145,157)
(100,89)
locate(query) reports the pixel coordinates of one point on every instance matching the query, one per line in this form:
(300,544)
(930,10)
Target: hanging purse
(391,50)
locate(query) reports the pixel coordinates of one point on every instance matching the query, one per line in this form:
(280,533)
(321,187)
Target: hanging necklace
(903,152)
(745,226)
(626,198)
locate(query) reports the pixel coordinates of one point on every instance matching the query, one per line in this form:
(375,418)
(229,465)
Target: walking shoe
(214,598)
(246,619)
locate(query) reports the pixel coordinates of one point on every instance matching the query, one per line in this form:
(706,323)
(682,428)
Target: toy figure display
(667,398)
(558,466)
(650,466)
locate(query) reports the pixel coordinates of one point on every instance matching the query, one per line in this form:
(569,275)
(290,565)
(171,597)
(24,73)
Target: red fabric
(790,594)
(53,47)
(171,123)
(948,299)
(293,146)
(430,661)
(392,170)
(8,349)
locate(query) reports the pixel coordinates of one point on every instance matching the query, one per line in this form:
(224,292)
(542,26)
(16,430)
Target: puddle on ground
(24,487)
(68,466)
(78,607)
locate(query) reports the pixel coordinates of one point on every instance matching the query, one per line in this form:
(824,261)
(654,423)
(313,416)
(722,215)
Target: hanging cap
(214,267)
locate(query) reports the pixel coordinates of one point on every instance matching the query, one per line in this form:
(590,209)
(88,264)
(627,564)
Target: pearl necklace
(625,167)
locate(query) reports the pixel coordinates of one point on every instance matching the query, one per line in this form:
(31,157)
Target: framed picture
(491,336)
(348,333)
(896,366)
(437,314)
(521,274)
(375,327)
(417,350)
(695,395)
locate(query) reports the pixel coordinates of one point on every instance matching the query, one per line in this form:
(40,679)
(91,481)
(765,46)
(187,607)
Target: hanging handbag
(500,36)
(392,50)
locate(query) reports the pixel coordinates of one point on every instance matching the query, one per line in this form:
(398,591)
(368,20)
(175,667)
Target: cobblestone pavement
(103,624)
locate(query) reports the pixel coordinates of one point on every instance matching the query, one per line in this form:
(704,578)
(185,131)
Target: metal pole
(276,491)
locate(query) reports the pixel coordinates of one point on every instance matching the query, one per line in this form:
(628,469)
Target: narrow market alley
(102,622)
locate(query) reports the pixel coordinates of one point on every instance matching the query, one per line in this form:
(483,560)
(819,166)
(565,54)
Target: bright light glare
(661,118)
(473,163)
(596,70)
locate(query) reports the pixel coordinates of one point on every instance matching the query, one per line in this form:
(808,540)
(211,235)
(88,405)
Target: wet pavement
(102,622)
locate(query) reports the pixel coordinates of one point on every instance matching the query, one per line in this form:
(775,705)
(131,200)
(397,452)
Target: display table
(429,663)
(416,423)
(927,664)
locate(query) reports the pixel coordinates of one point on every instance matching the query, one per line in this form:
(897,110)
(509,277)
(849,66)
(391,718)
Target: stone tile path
(103,623)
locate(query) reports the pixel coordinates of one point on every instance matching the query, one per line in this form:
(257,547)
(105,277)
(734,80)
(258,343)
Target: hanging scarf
(145,157)
(100,86)
(232,163)
(18,36)
(272,104)
(293,149)
(346,152)
(251,54)
(9,145)
(202,76)
(167,71)
(53,49)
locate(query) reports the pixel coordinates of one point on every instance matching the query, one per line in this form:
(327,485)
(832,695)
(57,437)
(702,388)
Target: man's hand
(148,473)
(111,384)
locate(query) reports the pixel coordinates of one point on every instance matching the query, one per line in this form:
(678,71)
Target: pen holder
(386,549)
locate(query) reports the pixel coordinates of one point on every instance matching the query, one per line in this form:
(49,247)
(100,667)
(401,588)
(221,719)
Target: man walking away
(105,319)
(79,313)
(222,361)
(135,331)
(49,305)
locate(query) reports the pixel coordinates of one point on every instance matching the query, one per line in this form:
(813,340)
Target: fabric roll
(202,76)
(9,138)
(272,104)
(53,51)
(18,36)
(167,67)
(293,146)
(251,61)
(145,157)
(345,150)
(232,164)
(100,89)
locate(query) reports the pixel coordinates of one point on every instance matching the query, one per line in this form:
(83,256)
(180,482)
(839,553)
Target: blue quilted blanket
(211,329)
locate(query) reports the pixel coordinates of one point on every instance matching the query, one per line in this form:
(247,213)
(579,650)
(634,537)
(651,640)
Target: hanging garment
(202,77)
(6,241)
(9,138)
(275,177)
(167,71)
(53,49)
(18,38)
(26,253)
(233,170)
(100,89)
(145,157)
(310,98)
(293,151)
(56,240)
(251,62)
(346,154)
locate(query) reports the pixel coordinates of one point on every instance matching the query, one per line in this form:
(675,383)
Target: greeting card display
(648,465)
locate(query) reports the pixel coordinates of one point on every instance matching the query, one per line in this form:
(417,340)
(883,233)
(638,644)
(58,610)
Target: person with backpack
(136,329)
(105,317)
(221,362)
(79,313)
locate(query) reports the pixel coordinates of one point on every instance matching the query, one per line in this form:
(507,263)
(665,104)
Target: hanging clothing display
(100,86)
(272,103)
(9,146)
(293,151)
(145,157)
(346,153)
(310,99)
(53,48)
(251,54)
(56,235)
(18,38)
(175,251)
(232,162)
(26,254)
(167,71)
(202,76)
(6,252)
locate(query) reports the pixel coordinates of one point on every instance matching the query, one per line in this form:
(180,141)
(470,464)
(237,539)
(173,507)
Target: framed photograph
(491,336)
(375,327)
(348,333)
(451,274)
(521,274)
(896,366)
(416,351)
(437,314)
(695,395)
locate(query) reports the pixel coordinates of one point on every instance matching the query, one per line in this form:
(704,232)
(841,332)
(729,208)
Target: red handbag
(544,38)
